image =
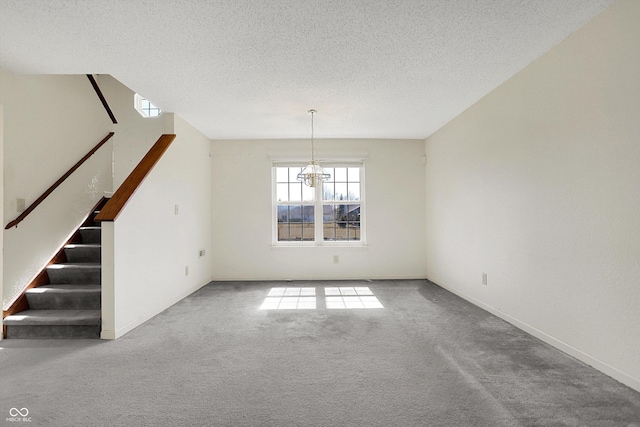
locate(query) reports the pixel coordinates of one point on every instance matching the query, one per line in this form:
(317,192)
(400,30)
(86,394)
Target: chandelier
(313,174)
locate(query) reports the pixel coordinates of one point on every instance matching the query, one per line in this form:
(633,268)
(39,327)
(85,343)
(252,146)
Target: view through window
(145,107)
(297,206)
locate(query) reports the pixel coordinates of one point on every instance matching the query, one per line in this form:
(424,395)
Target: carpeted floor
(427,358)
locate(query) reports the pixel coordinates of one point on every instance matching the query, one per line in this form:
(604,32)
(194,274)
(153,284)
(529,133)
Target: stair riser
(89,276)
(53,331)
(83,254)
(65,301)
(90,222)
(91,235)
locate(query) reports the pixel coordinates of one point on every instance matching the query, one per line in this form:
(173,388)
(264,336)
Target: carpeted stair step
(75,273)
(69,305)
(64,297)
(54,324)
(91,234)
(83,252)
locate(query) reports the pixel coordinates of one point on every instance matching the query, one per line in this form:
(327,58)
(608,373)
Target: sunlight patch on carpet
(344,297)
(290,299)
(351,297)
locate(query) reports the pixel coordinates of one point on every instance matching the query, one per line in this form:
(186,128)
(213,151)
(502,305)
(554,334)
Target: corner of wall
(151,262)
(169,123)
(1,208)
(107,281)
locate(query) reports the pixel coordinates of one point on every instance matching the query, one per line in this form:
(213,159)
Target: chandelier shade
(313,175)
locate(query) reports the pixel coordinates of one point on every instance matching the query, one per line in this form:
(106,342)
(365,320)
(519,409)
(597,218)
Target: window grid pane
(341,222)
(295,191)
(296,223)
(344,184)
(282,174)
(340,175)
(353,175)
(149,109)
(289,189)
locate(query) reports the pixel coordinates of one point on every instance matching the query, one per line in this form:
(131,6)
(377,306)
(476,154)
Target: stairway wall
(50,122)
(146,249)
(135,134)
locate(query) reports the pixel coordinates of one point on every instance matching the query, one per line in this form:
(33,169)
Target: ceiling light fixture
(313,174)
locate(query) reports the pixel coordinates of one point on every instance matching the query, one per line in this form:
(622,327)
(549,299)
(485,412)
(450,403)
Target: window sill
(341,245)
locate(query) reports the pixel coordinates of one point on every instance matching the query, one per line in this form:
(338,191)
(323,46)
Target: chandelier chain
(313,175)
(312,145)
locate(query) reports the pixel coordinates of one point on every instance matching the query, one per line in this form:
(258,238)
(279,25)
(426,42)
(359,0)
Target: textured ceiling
(252,68)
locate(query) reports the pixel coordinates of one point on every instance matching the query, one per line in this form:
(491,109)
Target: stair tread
(72,285)
(83,245)
(54,317)
(64,288)
(90,227)
(75,265)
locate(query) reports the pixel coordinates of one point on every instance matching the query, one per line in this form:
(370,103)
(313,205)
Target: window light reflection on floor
(343,297)
(350,297)
(290,299)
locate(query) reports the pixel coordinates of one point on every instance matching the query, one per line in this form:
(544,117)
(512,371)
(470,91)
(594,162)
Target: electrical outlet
(336,259)
(186,270)
(201,253)
(21,205)
(484,278)
(176,209)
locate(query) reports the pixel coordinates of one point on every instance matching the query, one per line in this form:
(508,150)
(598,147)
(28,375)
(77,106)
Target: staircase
(68,306)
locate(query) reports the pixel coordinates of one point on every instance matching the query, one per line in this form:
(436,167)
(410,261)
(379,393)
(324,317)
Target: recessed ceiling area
(251,69)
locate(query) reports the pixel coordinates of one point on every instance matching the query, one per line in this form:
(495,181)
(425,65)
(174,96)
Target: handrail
(56,184)
(102,98)
(122,195)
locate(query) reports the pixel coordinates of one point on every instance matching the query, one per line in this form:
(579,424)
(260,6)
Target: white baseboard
(282,279)
(601,366)
(107,334)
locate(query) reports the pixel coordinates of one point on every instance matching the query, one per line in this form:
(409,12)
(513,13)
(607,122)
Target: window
(341,204)
(295,206)
(329,213)
(145,107)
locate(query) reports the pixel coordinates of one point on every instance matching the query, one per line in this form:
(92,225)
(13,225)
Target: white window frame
(318,204)
(137,104)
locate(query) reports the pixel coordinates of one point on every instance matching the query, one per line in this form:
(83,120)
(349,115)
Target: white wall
(134,134)
(50,122)
(538,186)
(1,206)
(150,246)
(242,212)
